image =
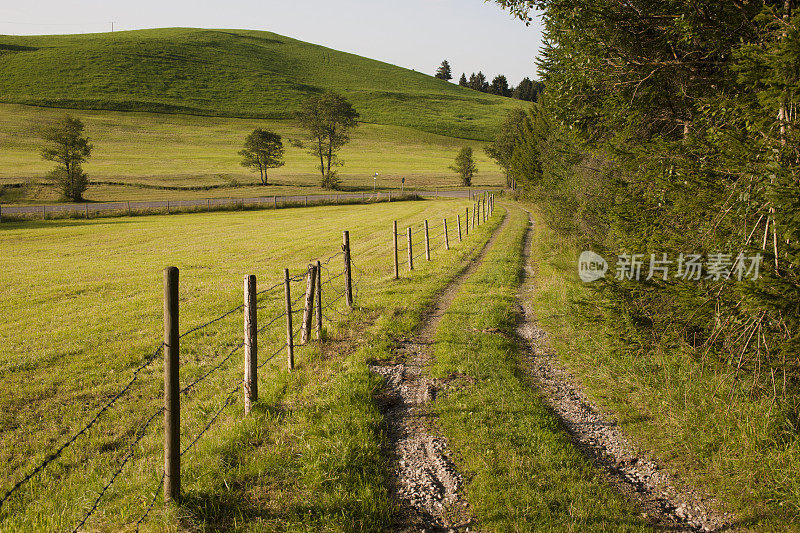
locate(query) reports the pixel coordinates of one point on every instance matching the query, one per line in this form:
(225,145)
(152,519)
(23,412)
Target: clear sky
(417,34)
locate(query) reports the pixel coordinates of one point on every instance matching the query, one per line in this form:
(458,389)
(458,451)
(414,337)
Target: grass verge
(523,472)
(703,424)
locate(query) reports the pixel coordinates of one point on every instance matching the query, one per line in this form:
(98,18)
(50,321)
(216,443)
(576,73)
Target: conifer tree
(444,73)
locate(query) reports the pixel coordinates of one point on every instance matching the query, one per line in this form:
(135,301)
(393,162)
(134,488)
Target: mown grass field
(190,151)
(237,73)
(82,301)
(705,422)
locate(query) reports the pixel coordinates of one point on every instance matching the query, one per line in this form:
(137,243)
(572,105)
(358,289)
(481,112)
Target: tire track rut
(425,485)
(638,477)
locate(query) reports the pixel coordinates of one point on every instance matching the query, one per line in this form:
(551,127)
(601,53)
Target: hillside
(234,73)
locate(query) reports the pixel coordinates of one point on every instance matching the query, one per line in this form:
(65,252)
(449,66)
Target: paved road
(89,209)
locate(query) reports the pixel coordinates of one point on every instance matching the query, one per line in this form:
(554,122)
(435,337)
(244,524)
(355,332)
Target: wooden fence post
(208,204)
(289,339)
(427,243)
(396,258)
(348,274)
(337,199)
(306,201)
(458,221)
(275,201)
(410,252)
(87,210)
(308,310)
(44,212)
(466,222)
(172,395)
(318,305)
(250,344)
(446,239)
(168,207)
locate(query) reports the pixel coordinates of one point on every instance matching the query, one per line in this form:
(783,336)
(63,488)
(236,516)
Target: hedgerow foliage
(670,127)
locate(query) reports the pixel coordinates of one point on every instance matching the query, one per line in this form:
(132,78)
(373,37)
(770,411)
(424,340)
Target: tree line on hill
(527,89)
(669,129)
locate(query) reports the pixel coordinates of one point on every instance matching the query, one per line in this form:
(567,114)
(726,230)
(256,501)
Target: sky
(417,34)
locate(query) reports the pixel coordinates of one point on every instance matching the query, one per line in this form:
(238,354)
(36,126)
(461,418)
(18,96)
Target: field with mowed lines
(82,302)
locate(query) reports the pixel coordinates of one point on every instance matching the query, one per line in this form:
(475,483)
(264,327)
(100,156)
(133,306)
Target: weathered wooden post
(275,201)
(446,239)
(337,199)
(410,252)
(396,258)
(466,222)
(458,221)
(306,201)
(348,274)
(250,344)
(308,310)
(172,395)
(208,204)
(427,243)
(87,210)
(168,207)
(289,339)
(318,305)
(44,212)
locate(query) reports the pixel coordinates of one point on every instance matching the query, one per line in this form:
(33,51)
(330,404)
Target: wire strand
(55,455)
(131,451)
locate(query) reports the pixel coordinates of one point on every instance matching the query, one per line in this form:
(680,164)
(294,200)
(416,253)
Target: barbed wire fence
(319,276)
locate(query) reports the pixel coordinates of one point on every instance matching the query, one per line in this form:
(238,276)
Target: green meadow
(82,302)
(235,73)
(191,152)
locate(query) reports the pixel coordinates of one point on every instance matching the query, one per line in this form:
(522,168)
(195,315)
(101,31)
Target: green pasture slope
(232,73)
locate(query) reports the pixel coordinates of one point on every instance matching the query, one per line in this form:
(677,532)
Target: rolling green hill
(234,73)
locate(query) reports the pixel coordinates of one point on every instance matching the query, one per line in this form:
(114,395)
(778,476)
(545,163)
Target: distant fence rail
(99,209)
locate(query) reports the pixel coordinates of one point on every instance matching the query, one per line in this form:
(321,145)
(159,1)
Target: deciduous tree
(328,119)
(262,151)
(502,148)
(67,146)
(465,166)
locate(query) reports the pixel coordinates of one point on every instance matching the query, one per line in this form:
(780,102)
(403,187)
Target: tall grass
(705,423)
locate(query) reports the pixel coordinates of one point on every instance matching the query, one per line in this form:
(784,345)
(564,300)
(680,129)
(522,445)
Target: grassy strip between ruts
(705,426)
(310,458)
(523,473)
